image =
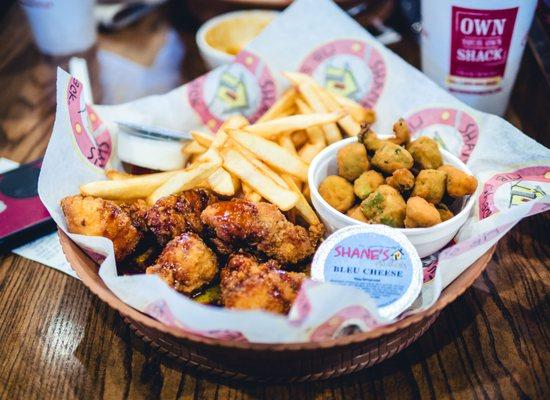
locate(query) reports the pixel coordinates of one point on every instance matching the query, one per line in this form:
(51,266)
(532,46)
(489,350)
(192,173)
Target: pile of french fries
(266,160)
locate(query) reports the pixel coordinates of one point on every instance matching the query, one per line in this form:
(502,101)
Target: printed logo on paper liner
(91,135)
(431,262)
(245,87)
(350,68)
(347,321)
(161,311)
(507,190)
(454,130)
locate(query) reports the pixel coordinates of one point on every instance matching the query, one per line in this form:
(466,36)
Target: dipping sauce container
(375,258)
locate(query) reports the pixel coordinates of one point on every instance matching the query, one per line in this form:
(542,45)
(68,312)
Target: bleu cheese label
(377,259)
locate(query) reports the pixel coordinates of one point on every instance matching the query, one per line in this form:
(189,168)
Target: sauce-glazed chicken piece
(98,217)
(248,285)
(137,211)
(186,263)
(244,224)
(178,213)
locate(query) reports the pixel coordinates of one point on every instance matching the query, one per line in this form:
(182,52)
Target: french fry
(307,90)
(286,101)
(271,153)
(203,138)
(297,78)
(310,150)
(299,138)
(356,110)
(194,158)
(127,189)
(236,182)
(347,123)
(275,127)
(302,206)
(235,122)
(306,192)
(260,165)
(315,133)
(236,163)
(114,175)
(193,147)
(250,194)
(221,182)
(286,142)
(186,179)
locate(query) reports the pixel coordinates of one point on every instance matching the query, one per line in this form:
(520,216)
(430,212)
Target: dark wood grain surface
(59,341)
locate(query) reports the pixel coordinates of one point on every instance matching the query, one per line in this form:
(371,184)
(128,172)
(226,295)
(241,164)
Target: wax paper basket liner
(315,37)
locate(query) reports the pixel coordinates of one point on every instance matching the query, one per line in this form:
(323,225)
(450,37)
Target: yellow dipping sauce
(232,35)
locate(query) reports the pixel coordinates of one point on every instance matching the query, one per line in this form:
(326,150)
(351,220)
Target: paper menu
(45,250)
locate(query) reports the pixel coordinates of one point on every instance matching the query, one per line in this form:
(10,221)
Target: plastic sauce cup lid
(375,258)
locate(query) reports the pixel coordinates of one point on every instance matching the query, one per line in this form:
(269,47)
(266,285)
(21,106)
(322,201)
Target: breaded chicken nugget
(92,216)
(186,263)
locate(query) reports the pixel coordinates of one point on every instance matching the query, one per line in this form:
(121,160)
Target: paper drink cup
(473,48)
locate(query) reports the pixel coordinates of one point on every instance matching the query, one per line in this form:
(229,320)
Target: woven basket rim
(77,259)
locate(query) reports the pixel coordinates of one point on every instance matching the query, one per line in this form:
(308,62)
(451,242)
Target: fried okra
(430,185)
(425,152)
(356,213)
(385,206)
(391,157)
(337,192)
(402,132)
(352,161)
(369,139)
(444,212)
(402,179)
(459,183)
(420,213)
(367,183)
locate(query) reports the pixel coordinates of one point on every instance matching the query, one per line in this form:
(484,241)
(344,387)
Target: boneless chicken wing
(261,226)
(172,215)
(186,263)
(92,216)
(250,285)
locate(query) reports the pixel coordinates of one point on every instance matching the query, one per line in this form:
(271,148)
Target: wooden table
(57,340)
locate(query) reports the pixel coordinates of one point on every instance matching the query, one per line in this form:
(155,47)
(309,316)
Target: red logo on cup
(454,130)
(506,190)
(245,87)
(92,136)
(480,40)
(348,67)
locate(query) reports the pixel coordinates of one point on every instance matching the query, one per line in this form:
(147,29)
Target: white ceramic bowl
(426,240)
(212,56)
